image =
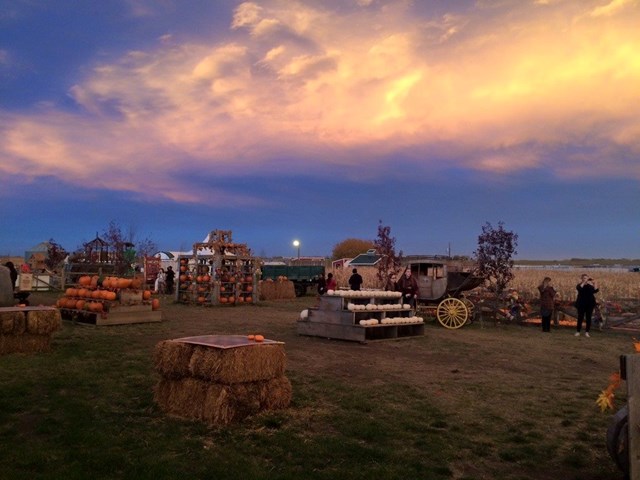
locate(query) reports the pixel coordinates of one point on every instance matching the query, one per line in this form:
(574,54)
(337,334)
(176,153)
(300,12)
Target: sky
(316,120)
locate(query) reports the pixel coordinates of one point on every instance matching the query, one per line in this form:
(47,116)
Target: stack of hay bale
(278,290)
(219,379)
(27,329)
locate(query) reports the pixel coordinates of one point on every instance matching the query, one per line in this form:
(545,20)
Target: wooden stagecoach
(442,283)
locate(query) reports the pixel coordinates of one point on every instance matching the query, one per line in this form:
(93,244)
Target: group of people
(585,303)
(165,280)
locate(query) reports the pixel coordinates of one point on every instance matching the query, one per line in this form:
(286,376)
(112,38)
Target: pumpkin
(232,299)
(124,283)
(249,288)
(206,278)
(183,278)
(259,338)
(248,299)
(71,292)
(85,280)
(201,299)
(251,337)
(108,295)
(136,283)
(223,299)
(155,304)
(146,295)
(80,304)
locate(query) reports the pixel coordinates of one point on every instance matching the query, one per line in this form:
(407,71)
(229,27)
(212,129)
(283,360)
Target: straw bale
(237,365)
(26,343)
(172,358)
(184,397)
(12,322)
(221,404)
(277,290)
(43,322)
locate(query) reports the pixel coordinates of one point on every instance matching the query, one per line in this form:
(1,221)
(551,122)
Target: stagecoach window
(439,271)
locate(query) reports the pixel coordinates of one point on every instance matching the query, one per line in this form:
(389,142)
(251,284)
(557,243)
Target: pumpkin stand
(109,301)
(219,272)
(27,329)
(220,379)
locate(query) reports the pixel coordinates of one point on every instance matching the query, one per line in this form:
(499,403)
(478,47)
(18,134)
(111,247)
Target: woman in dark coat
(586,302)
(547,303)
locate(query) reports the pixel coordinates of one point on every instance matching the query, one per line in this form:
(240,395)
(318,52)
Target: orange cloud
(475,87)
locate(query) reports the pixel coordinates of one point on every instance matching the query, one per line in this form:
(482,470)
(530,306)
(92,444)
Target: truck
(302,276)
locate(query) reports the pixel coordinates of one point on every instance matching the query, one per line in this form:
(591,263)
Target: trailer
(302,276)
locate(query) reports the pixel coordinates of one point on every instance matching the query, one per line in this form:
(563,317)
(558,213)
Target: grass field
(492,402)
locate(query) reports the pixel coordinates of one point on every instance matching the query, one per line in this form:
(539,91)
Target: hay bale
(238,365)
(43,322)
(172,358)
(26,343)
(12,322)
(220,404)
(281,290)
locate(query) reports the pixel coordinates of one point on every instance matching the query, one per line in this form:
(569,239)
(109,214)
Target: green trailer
(302,276)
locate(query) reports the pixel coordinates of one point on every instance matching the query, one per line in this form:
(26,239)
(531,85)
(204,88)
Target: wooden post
(633,401)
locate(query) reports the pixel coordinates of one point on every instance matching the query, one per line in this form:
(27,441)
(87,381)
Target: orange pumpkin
(136,283)
(251,337)
(206,278)
(223,300)
(259,338)
(248,299)
(85,280)
(155,304)
(146,295)
(80,304)
(201,299)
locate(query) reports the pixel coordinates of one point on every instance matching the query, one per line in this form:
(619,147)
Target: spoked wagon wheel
(471,308)
(452,313)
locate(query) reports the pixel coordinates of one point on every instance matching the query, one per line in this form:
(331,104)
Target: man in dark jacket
(355,280)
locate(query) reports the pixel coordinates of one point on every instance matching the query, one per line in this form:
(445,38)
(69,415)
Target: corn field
(613,285)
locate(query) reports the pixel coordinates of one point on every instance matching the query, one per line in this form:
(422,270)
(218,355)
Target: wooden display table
(361,316)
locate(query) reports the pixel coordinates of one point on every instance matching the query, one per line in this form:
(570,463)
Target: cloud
(498,88)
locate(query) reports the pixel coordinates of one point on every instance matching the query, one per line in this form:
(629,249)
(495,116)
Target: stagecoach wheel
(471,308)
(452,313)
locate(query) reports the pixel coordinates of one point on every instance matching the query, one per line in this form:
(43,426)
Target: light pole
(296,243)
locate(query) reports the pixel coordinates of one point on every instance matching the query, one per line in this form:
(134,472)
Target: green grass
(478,403)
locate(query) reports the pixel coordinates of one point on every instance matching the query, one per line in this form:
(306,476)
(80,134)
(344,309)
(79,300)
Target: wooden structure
(360,316)
(219,272)
(441,284)
(623,434)
(109,304)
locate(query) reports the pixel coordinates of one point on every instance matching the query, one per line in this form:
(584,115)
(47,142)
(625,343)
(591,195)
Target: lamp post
(296,243)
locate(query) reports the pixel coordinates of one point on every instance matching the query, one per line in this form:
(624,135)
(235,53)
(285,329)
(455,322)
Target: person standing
(547,302)
(160,281)
(392,283)
(355,280)
(409,288)
(169,279)
(585,302)
(331,282)
(13,273)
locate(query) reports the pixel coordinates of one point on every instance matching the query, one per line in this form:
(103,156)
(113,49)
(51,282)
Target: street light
(296,243)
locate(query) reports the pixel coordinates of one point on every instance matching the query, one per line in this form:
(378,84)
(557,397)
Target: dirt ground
(492,379)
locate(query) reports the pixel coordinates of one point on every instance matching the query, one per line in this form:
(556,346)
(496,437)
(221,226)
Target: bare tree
(385,245)
(494,256)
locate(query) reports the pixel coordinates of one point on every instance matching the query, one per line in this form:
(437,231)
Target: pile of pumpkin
(94,294)
(228,289)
